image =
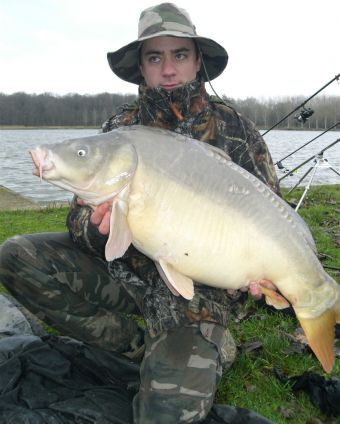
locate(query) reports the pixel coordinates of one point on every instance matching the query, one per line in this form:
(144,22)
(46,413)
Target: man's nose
(168,68)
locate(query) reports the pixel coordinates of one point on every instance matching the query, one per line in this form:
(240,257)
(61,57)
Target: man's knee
(179,376)
(35,253)
(26,261)
(9,252)
(8,246)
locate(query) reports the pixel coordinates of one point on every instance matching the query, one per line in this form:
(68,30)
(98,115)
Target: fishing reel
(283,168)
(304,115)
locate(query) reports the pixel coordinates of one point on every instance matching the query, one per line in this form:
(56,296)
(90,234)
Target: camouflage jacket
(188,110)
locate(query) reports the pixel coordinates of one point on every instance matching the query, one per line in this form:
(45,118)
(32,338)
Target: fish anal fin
(274,298)
(320,334)
(178,282)
(120,236)
(165,279)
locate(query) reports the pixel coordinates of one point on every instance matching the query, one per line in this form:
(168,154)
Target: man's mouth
(169,87)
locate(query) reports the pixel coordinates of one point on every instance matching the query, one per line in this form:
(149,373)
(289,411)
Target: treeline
(46,109)
(266,113)
(21,109)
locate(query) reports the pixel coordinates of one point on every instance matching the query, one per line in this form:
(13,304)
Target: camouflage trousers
(83,297)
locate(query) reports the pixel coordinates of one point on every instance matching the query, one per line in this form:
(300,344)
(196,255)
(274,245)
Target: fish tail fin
(320,333)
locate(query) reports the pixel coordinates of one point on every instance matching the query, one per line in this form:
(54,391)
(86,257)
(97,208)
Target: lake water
(16,164)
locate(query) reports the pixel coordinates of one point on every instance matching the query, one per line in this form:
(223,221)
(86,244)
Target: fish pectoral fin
(176,281)
(274,298)
(120,236)
(320,334)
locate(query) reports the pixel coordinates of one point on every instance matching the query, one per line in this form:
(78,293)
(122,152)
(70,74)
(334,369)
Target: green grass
(31,221)
(250,383)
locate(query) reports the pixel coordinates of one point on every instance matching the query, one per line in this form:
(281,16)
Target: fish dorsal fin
(120,236)
(177,281)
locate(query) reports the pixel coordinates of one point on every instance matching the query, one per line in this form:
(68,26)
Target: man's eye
(181,56)
(154,59)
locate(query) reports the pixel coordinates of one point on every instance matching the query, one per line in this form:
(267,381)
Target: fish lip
(42,164)
(36,172)
(44,170)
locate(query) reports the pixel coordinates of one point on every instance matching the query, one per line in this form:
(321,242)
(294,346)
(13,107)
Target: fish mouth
(42,161)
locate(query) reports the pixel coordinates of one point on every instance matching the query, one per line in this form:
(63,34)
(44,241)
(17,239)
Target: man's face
(169,62)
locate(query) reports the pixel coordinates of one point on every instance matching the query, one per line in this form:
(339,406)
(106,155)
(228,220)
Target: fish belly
(215,245)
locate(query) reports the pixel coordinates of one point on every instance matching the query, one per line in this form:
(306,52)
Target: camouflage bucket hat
(166,19)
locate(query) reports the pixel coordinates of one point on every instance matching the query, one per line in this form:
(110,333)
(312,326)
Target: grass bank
(264,338)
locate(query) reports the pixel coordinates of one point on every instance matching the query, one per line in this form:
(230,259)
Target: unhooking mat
(57,380)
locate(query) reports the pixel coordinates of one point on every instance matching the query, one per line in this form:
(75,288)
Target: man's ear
(141,70)
(198,63)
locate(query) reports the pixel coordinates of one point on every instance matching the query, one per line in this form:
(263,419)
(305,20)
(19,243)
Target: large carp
(200,217)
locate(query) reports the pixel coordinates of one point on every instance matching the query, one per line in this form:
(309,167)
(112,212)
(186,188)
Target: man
(67,284)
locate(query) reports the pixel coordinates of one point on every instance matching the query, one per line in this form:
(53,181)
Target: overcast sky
(276,47)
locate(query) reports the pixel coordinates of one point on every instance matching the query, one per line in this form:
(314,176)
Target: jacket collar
(161,108)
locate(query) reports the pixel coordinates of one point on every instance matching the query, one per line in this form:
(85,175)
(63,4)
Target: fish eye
(81,152)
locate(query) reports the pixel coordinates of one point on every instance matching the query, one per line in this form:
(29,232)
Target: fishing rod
(305,113)
(307,160)
(279,162)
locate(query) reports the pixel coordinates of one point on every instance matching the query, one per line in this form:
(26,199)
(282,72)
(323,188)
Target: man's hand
(254,288)
(100,216)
